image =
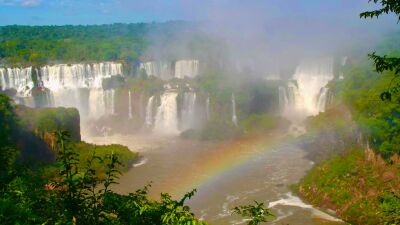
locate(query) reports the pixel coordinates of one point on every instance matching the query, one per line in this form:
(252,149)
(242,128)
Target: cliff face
(35,131)
(36,138)
(44,121)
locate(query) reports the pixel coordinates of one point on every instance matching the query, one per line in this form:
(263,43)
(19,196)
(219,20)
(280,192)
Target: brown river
(225,174)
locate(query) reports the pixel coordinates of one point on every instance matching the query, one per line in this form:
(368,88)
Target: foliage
(148,86)
(113,82)
(253,95)
(8,123)
(386,63)
(256,213)
(330,132)
(387,7)
(47,120)
(80,195)
(129,43)
(41,44)
(259,123)
(361,191)
(86,151)
(379,121)
(219,130)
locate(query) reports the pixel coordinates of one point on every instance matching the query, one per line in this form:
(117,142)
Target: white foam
(292,200)
(141,162)
(225,207)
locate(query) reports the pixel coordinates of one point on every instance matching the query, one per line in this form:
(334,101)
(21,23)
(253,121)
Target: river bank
(359,187)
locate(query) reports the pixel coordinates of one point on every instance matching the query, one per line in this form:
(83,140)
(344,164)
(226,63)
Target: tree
(255,214)
(8,150)
(386,63)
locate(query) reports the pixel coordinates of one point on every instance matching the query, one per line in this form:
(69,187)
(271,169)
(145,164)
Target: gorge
(177,106)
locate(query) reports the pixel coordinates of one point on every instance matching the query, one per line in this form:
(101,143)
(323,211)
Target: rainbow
(223,159)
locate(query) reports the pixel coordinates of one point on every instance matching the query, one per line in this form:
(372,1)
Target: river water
(225,174)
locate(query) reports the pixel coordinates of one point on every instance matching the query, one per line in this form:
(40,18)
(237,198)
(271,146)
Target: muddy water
(225,175)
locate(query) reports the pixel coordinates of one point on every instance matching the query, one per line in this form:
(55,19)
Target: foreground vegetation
(86,151)
(358,189)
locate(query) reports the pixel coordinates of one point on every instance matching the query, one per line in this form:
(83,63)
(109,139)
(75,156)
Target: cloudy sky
(58,12)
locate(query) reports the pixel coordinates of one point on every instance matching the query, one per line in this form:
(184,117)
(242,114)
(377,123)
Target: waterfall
(109,101)
(3,79)
(311,78)
(165,70)
(322,99)
(129,105)
(97,106)
(342,64)
(208,108)
(186,68)
(166,121)
(70,85)
(149,112)
(283,99)
(74,76)
(234,116)
(19,79)
(294,96)
(112,102)
(161,70)
(188,110)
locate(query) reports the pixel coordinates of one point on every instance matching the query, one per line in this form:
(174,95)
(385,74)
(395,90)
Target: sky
(60,12)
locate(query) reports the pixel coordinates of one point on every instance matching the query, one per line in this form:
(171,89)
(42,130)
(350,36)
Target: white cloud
(30,3)
(23,3)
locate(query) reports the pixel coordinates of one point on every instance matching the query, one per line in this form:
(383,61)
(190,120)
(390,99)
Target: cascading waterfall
(73,76)
(161,70)
(186,68)
(283,99)
(188,110)
(167,70)
(71,85)
(149,112)
(166,121)
(342,64)
(97,104)
(109,101)
(311,77)
(307,94)
(234,116)
(294,96)
(322,99)
(19,79)
(129,105)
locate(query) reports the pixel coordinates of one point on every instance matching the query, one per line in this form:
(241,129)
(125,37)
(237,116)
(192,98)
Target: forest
(27,45)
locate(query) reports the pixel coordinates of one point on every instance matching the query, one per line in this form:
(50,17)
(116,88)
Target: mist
(272,37)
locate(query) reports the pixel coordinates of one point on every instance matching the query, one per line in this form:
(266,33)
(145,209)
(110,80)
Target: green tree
(386,63)
(8,150)
(256,213)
